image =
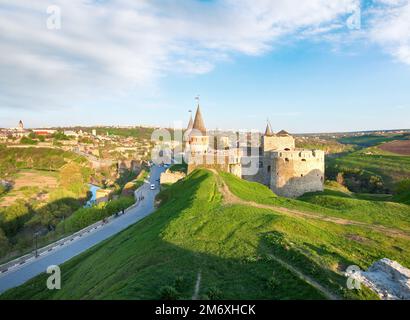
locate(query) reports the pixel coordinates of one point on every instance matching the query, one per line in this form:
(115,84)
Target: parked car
(152,187)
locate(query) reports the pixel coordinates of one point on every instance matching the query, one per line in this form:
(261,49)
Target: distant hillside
(243,241)
(14,159)
(372,165)
(365,141)
(45,186)
(328,145)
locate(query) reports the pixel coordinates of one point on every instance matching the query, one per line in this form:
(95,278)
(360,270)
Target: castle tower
(20,126)
(295,172)
(274,142)
(198,140)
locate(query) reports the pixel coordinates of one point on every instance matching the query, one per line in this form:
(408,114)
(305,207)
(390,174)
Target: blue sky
(122,62)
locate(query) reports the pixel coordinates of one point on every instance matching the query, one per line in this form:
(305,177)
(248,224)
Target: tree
(26,140)
(72,178)
(13,218)
(59,135)
(4,243)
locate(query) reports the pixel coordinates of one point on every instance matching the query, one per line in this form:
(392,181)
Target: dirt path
(230,198)
(329,295)
(197,285)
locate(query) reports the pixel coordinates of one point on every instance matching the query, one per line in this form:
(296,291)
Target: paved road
(30,269)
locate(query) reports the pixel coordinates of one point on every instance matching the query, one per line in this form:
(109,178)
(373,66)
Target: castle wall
(169,177)
(274,143)
(263,167)
(297,172)
(227,162)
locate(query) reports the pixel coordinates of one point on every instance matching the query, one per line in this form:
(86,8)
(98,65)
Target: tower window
(268,168)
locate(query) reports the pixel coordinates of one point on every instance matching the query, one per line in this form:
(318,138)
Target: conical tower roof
(283,133)
(268,130)
(199,122)
(190,123)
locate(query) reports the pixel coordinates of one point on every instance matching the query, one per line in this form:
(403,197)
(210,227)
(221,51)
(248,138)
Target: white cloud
(390,28)
(106,47)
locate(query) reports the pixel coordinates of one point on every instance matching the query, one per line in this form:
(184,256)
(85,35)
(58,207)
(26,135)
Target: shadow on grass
(139,263)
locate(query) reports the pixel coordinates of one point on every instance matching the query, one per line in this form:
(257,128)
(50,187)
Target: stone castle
(285,169)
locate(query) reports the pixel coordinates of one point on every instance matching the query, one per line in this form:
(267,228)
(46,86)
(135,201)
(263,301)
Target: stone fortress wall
(169,177)
(296,172)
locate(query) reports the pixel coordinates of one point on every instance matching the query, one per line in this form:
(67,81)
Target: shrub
(214,294)
(3,189)
(86,216)
(4,243)
(168,293)
(272,282)
(74,178)
(402,192)
(59,135)
(26,140)
(179,283)
(13,218)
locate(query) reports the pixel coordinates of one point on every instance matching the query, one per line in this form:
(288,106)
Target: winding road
(33,267)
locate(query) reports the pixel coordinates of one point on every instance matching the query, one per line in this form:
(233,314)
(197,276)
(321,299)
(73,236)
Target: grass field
(28,183)
(241,250)
(398,147)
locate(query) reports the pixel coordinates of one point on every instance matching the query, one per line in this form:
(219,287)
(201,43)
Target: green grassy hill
(245,242)
(372,162)
(371,139)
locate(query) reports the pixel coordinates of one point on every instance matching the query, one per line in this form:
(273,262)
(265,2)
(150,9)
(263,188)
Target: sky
(307,66)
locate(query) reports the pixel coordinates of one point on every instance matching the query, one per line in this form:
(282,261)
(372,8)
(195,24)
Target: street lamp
(63,223)
(36,234)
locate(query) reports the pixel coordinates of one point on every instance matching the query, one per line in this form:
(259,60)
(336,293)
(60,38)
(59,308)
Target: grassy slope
(193,231)
(332,203)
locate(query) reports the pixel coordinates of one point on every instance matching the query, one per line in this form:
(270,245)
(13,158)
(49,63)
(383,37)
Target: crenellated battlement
(298,154)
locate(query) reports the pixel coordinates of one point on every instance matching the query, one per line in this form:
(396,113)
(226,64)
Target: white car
(152,187)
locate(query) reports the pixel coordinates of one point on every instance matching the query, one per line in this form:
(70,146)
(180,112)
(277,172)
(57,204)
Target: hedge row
(87,216)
